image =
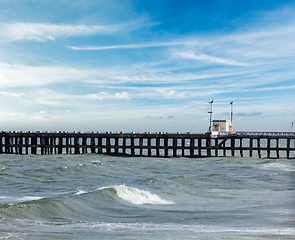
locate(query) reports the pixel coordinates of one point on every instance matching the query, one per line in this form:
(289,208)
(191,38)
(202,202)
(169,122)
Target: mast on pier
(210,112)
(231,116)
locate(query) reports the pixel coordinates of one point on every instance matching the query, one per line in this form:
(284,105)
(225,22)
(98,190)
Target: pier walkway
(159,144)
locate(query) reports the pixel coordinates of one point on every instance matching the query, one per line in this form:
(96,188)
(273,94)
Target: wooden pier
(159,144)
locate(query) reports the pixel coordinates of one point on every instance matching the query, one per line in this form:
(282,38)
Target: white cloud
(24,75)
(104,95)
(139,45)
(100,95)
(188,106)
(273,88)
(122,95)
(45,32)
(12,94)
(171,93)
(208,58)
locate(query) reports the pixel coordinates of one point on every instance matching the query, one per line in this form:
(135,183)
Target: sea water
(95,196)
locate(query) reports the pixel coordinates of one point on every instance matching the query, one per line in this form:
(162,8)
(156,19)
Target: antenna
(231,115)
(210,112)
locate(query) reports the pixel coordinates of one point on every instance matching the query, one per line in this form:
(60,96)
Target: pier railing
(266,134)
(159,144)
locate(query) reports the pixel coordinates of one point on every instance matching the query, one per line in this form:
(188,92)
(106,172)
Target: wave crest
(136,196)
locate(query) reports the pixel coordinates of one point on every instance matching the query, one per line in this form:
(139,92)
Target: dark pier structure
(159,144)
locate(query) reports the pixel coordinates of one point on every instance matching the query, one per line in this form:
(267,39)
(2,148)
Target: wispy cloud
(273,88)
(105,95)
(208,58)
(171,93)
(248,114)
(12,94)
(41,32)
(139,45)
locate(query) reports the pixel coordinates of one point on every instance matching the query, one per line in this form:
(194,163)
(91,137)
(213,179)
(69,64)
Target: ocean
(96,196)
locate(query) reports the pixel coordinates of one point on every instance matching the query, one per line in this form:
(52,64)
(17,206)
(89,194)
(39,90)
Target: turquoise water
(94,196)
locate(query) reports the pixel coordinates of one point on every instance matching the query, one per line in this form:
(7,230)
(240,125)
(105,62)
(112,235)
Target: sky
(146,65)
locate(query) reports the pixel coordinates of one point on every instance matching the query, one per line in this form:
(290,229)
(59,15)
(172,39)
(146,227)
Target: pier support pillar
(200,147)
(108,145)
(250,146)
(34,145)
(1,144)
(258,147)
(60,145)
(140,140)
(288,148)
(174,147)
(192,145)
(241,147)
(233,146)
(158,147)
(216,147)
(92,144)
(149,146)
(76,145)
(268,148)
(116,145)
(124,146)
(183,147)
(132,146)
(166,146)
(278,148)
(208,147)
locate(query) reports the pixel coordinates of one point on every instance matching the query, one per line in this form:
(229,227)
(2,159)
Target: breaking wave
(136,196)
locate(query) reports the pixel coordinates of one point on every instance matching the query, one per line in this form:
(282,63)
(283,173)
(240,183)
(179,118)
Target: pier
(159,144)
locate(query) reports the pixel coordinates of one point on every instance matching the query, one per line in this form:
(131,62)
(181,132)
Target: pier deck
(160,144)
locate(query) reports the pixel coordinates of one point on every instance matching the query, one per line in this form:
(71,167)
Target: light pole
(231,115)
(210,112)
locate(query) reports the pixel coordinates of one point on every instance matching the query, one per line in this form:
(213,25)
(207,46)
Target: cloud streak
(41,32)
(139,45)
(208,58)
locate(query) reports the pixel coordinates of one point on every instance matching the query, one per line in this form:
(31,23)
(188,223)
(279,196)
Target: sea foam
(29,198)
(137,196)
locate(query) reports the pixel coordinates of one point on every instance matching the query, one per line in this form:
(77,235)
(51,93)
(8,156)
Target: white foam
(136,196)
(29,198)
(80,192)
(281,166)
(176,228)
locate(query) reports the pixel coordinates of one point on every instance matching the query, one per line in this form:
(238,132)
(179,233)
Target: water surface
(94,196)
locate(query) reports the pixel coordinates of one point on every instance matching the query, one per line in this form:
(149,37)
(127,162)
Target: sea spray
(136,196)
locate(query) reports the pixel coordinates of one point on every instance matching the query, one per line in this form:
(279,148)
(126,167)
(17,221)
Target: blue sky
(146,65)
